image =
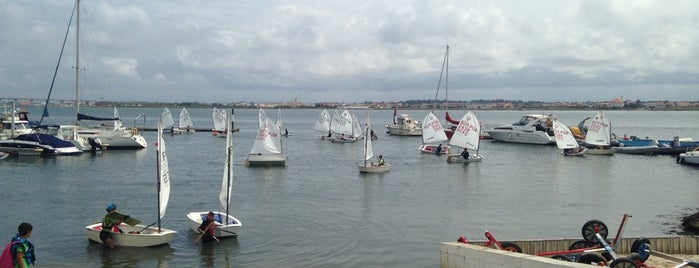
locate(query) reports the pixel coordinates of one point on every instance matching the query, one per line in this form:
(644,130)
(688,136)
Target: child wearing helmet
(107,223)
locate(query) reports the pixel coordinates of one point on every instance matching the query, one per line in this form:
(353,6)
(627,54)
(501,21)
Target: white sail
(356,128)
(342,123)
(267,140)
(368,149)
(432,131)
(467,132)
(599,132)
(219,118)
(227,184)
(564,138)
(163,173)
(117,123)
(166,117)
(323,122)
(185,120)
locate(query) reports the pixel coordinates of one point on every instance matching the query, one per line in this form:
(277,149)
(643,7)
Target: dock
(195,129)
(475,254)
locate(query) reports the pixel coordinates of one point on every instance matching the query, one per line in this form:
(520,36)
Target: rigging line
(99,56)
(58,64)
(439,83)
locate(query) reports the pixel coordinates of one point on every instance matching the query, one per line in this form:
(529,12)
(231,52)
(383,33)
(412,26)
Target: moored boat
(691,157)
(530,129)
(404,125)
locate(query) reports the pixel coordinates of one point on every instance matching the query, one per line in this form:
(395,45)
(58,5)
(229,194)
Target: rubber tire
(579,245)
(636,246)
(588,230)
(623,263)
(592,257)
(637,258)
(561,258)
(512,247)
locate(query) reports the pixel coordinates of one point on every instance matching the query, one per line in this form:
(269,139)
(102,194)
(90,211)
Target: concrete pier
(474,254)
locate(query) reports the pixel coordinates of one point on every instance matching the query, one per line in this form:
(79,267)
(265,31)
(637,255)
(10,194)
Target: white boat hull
(230,229)
(399,130)
(580,151)
(455,158)
(116,139)
(521,136)
(374,169)
(266,160)
(431,149)
(689,158)
(133,236)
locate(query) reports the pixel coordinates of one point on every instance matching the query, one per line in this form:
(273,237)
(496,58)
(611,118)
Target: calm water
(318,211)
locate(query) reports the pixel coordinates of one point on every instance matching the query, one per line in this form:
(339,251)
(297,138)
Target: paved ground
(655,261)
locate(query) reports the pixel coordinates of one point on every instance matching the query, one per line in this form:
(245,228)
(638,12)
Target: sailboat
(116,137)
(139,235)
(266,150)
(219,118)
(566,141)
(226,225)
(433,134)
(371,167)
(168,122)
(467,136)
(323,124)
(599,134)
(185,125)
(343,128)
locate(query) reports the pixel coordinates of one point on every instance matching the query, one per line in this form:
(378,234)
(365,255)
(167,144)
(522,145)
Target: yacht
(531,129)
(38,144)
(404,125)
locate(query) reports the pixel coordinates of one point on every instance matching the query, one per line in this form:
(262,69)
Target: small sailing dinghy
(433,136)
(225,224)
(466,135)
(267,148)
(168,122)
(218,116)
(186,125)
(323,124)
(599,134)
(371,167)
(566,141)
(139,235)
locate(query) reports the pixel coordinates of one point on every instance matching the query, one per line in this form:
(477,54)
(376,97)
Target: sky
(351,51)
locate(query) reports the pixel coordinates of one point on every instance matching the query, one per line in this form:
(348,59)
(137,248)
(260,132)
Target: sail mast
(157,158)
(77,62)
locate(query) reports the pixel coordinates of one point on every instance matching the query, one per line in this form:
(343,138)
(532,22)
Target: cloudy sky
(312,51)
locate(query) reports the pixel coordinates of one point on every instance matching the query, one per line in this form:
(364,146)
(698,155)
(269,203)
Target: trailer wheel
(508,246)
(594,226)
(642,247)
(592,258)
(637,258)
(580,244)
(623,263)
(561,258)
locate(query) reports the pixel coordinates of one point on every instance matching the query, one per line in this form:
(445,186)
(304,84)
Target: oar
(204,232)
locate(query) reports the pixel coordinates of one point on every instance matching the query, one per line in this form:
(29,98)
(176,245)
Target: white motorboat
(267,148)
(38,144)
(138,235)
(404,125)
(531,129)
(691,157)
(225,224)
(467,136)
(13,124)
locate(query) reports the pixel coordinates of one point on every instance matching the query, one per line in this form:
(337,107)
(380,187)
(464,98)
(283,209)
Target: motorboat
(650,149)
(38,144)
(13,124)
(530,129)
(691,157)
(404,125)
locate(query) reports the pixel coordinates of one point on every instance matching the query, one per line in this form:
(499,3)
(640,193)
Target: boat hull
(26,148)
(521,136)
(374,169)
(256,160)
(432,149)
(116,139)
(133,236)
(641,150)
(691,158)
(231,229)
(455,158)
(399,130)
(580,151)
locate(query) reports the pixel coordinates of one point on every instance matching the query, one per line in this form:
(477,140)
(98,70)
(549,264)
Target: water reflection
(131,257)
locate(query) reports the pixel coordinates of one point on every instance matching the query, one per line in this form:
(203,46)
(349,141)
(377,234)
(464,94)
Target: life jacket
(9,253)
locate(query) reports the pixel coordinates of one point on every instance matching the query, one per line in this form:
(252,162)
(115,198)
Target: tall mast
(77,62)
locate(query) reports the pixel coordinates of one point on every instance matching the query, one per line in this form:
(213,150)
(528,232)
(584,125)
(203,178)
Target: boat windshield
(526,120)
